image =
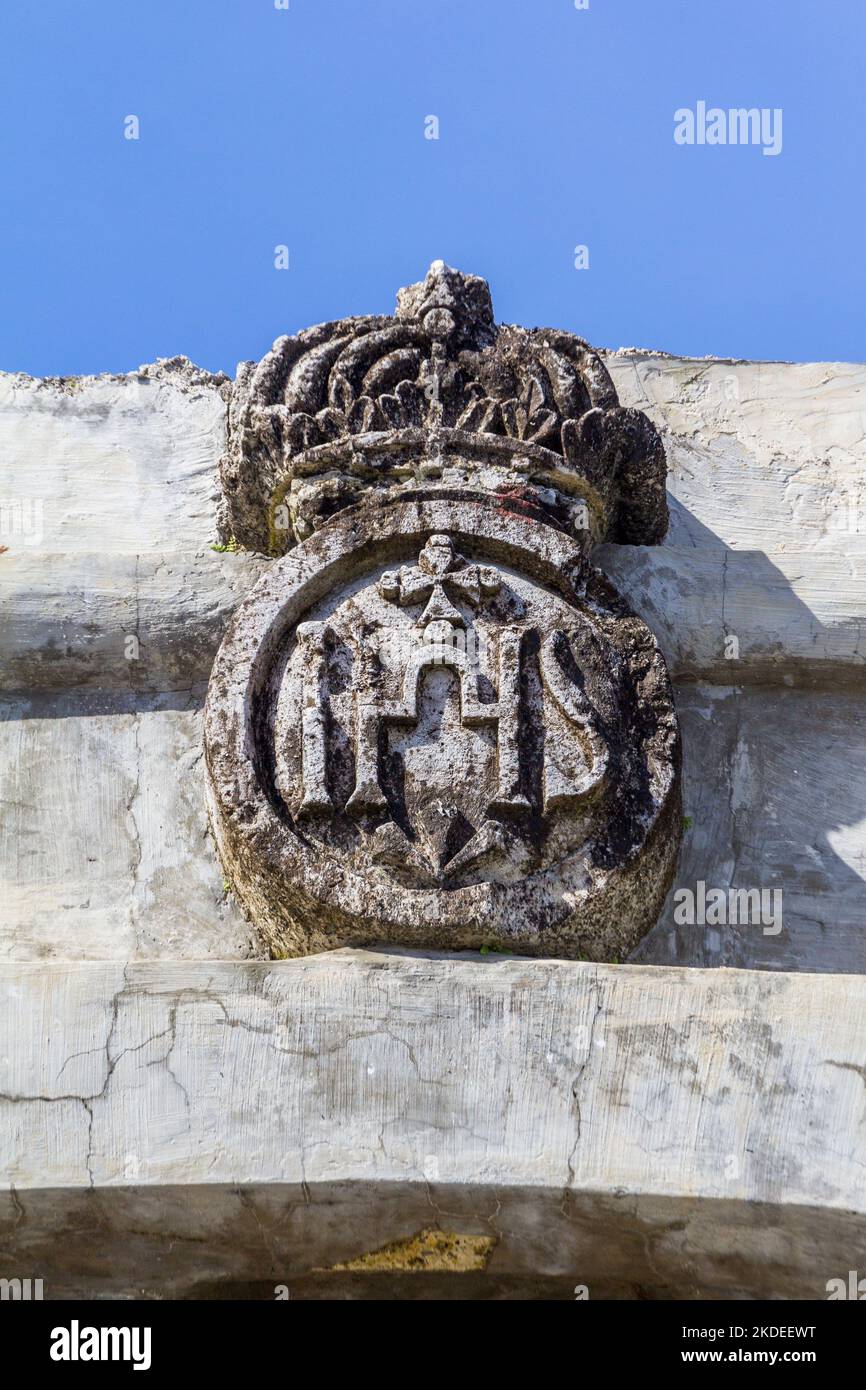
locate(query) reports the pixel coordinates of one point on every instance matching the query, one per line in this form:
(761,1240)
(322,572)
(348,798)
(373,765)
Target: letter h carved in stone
(434,722)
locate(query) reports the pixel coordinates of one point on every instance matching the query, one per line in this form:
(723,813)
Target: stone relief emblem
(438,712)
(433,722)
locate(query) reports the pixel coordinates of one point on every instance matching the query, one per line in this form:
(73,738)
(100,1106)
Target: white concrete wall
(679,1132)
(117,477)
(767,481)
(179,1118)
(100,769)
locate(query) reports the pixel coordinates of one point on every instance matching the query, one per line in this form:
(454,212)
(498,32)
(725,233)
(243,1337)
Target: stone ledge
(796,615)
(767,539)
(397,1066)
(104,621)
(668,1126)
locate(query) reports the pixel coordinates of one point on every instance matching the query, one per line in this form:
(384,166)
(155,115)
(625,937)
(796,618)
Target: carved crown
(438,391)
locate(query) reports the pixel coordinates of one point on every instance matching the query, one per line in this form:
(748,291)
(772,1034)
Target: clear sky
(305,127)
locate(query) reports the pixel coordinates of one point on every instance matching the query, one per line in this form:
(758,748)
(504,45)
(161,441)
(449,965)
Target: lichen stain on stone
(432,722)
(427,1251)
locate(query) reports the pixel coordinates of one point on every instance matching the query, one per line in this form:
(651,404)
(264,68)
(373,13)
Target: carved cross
(439,575)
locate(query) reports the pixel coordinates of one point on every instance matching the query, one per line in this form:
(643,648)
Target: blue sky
(305,127)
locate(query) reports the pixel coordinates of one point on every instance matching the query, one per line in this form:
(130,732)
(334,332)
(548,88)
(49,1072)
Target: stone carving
(433,722)
(439,392)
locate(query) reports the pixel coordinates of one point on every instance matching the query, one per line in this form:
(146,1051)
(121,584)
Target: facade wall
(149,1063)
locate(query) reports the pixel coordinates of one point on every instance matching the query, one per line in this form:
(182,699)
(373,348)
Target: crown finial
(377,404)
(448,302)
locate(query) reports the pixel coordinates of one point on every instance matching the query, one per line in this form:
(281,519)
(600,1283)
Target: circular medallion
(434,724)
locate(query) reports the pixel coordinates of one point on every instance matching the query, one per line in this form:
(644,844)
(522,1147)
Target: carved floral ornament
(432,722)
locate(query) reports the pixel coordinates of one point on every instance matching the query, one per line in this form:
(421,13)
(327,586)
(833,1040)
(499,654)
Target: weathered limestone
(774,790)
(767,499)
(352,803)
(103,836)
(433,722)
(216,1128)
(103,823)
(107,515)
(767,541)
(773,777)
(178,1119)
(367,409)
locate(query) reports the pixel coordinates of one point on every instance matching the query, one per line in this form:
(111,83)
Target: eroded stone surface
(440,391)
(108,499)
(104,850)
(677,1131)
(766,543)
(774,789)
(436,724)
(439,726)
(767,540)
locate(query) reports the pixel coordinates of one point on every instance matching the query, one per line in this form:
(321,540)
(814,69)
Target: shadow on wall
(419,1240)
(771,705)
